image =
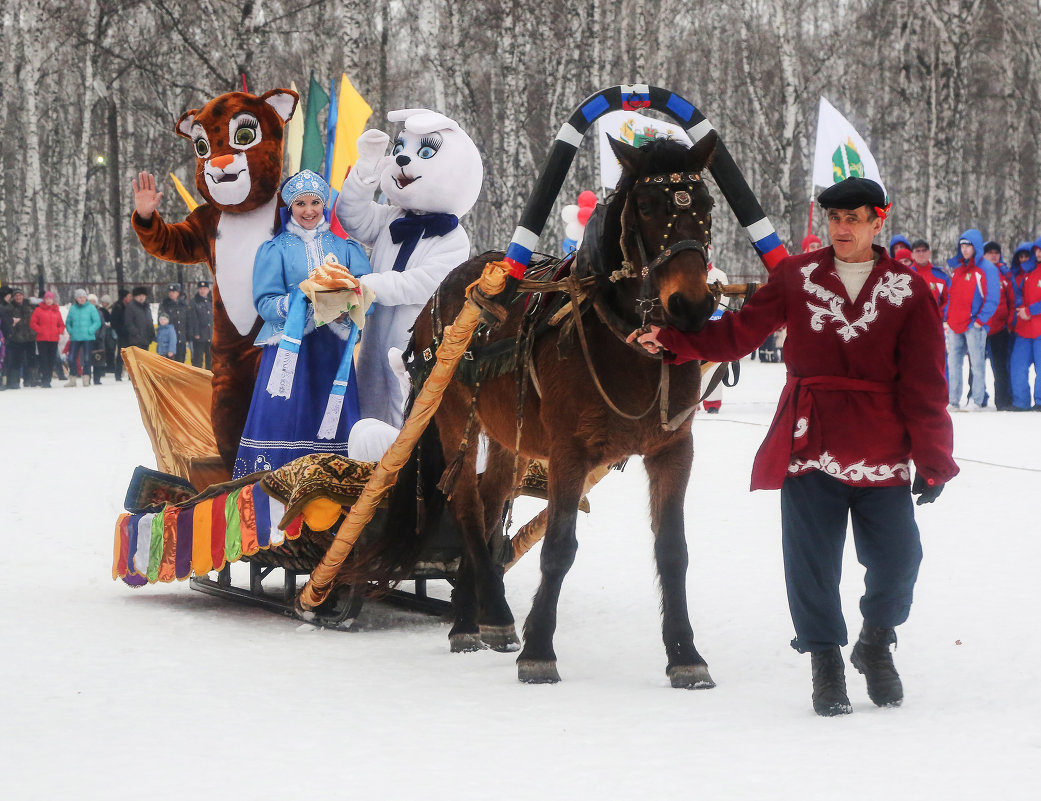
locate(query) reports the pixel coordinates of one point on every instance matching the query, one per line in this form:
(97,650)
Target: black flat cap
(852,193)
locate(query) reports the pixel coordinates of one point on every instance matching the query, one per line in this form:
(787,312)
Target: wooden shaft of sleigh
(455,343)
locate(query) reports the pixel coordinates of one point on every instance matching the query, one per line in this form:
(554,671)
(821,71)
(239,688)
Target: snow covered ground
(167,693)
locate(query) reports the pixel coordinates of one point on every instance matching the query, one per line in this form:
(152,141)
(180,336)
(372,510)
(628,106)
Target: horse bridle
(678,188)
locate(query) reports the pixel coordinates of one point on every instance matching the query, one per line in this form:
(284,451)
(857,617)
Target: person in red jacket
(865,396)
(939,282)
(46,321)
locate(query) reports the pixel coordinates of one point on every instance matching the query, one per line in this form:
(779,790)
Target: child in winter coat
(166,338)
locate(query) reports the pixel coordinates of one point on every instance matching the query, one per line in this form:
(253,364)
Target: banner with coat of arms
(841,152)
(633,129)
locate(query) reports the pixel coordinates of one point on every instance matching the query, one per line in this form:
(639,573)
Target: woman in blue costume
(304,401)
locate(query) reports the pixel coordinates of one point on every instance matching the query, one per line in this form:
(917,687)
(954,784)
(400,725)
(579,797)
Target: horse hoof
(691,677)
(465,643)
(500,638)
(535,671)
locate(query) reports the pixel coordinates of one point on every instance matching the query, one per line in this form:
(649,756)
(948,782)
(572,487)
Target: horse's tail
(387,553)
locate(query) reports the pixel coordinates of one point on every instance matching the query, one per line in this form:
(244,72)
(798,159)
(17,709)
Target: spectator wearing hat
(46,322)
(999,337)
(865,342)
(897,241)
(83,321)
(166,337)
(200,326)
(1026,350)
(937,279)
(20,342)
(811,242)
(176,309)
(117,318)
(98,354)
(140,330)
(974,296)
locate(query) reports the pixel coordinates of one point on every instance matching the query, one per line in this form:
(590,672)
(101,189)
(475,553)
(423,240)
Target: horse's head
(666,229)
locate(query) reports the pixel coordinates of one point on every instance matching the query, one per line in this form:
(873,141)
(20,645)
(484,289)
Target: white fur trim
(239,236)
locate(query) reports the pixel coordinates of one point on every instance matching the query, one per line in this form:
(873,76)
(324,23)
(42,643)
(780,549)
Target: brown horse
(646,260)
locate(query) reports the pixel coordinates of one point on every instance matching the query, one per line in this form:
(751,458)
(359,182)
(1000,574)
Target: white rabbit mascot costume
(431,178)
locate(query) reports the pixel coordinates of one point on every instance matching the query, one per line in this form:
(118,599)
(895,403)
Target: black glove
(927,491)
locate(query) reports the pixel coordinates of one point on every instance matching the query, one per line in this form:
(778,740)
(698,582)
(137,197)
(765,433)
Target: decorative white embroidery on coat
(891,287)
(801,425)
(854,472)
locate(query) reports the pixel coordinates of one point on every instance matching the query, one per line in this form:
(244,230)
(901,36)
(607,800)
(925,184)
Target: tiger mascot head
(237,139)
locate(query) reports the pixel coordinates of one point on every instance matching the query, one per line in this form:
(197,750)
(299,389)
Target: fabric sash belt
(796,404)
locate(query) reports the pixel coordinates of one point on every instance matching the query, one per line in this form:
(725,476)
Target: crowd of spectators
(39,342)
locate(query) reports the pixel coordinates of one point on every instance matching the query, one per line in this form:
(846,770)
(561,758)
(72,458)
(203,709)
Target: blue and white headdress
(305,182)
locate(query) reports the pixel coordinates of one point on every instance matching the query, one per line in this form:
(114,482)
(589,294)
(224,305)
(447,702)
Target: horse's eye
(645,208)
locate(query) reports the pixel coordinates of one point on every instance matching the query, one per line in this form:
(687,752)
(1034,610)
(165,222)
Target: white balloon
(569,214)
(574,231)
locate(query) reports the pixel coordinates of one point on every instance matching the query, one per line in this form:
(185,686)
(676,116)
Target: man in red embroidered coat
(865,395)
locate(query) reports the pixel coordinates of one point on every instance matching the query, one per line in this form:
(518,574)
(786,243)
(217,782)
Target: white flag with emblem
(841,152)
(633,129)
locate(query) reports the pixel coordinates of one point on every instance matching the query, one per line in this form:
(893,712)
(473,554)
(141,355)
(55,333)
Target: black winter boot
(829,683)
(872,658)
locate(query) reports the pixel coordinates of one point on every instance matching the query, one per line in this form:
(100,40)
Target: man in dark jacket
(140,329)
(6,313)
(176,308)
(21,343)
(119,325)
(200,326)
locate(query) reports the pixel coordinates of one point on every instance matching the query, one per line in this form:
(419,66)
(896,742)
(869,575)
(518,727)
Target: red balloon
(583,214)
(587,199)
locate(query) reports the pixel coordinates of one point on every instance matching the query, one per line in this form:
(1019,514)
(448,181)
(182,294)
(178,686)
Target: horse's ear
(627,155)
(700,156)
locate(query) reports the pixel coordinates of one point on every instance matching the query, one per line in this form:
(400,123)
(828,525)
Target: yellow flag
(295,135)
(189,201)
(352,115)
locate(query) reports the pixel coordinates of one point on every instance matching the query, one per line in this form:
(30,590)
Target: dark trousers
(201,355)
(1000,349)
(84,352)
(815,509)
(48,353)
(21,358)
(181,350)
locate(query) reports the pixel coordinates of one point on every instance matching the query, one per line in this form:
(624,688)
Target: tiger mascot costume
(237,139)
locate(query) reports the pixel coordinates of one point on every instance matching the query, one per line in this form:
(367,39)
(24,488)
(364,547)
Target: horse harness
(576,294)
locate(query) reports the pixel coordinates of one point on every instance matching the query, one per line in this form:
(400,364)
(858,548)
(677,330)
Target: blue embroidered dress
(280,429)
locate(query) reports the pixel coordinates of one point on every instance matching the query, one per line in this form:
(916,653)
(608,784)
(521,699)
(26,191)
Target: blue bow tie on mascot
(431,177)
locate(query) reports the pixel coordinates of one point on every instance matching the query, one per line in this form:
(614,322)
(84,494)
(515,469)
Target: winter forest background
(944,91)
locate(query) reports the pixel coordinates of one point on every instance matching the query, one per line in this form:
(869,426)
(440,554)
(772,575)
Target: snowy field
(168,693)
